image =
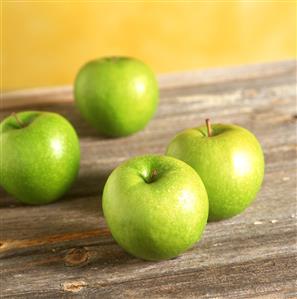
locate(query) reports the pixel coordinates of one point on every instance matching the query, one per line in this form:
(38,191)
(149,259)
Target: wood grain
(64,250)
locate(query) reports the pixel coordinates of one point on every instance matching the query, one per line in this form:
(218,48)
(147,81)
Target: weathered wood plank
(190,78)
(65,249)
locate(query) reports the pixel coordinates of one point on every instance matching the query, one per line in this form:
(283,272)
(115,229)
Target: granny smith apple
(230,162)
(40,156)
(155,206)
(117,95)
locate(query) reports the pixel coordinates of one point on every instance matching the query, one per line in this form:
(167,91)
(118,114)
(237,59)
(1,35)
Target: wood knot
(74,286)
(76,257)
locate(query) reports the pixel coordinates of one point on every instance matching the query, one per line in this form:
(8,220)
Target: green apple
(155,206)
(40,156)
(230,162)
(117,95)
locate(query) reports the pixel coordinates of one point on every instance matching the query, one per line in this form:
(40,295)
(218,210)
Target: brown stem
(19,122)
(154,174)
(208,126)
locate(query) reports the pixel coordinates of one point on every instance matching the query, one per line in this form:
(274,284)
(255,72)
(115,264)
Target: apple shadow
(6,200)
(87,187)
(82,127)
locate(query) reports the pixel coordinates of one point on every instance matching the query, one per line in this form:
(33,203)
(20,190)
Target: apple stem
(208,126)
(153,176)
(19,122)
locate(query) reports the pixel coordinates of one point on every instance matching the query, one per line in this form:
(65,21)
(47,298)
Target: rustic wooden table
(65,249)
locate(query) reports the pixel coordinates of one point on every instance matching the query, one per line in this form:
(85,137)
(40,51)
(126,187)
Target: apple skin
(117,95)
(230,164)
(158,219)
(39,161)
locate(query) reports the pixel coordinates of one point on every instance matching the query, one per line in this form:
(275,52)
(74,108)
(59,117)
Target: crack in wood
(53,239)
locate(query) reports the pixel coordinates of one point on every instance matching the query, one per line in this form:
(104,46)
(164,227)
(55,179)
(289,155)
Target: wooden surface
(65,250)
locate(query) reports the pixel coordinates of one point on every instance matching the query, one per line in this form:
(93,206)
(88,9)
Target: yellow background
(44,42)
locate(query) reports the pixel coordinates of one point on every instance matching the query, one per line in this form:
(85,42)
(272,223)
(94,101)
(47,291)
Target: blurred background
(45,43)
